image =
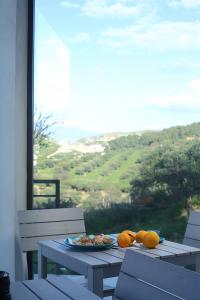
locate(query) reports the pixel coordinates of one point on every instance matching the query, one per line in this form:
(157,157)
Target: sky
(117,65)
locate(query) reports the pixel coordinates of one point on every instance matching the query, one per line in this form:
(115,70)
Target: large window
(117,89)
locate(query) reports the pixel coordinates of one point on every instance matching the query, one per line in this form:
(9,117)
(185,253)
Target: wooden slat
(109,284)
(105,257)
(158,252)
(99,255)
(138,248)
(181,246)
(175,251)
(192,242)
(58,249)
(46,224)
(20,292)
(116,253)
(194,218)
(72,290)
(30,244)
(193,232)
(50,215)
(45,290)
(169,277)
(52,228)
(143,251)
(129,288)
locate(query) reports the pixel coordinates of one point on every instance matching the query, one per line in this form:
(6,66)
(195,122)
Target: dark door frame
(30,97)
(30,101)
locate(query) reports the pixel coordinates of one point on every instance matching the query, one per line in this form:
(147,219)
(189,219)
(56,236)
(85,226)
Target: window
(117,109)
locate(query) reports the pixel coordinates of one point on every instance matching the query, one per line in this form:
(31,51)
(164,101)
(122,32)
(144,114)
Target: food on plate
(140,235)
(93,240)
(132,235)
(151,239)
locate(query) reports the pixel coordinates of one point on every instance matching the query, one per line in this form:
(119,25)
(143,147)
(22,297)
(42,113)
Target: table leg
(197,261)
(95,281)
(42,264)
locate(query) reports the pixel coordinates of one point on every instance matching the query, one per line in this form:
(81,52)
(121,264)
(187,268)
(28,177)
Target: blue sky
(118,65)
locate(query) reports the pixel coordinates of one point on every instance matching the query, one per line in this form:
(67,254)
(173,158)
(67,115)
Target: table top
(59,288)
(115,255)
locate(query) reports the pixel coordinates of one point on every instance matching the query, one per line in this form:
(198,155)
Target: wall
(13,83)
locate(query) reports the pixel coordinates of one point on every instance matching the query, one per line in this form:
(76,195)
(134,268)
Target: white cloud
(183,64)
(80,37)
(70,123)
(195,86)
(99,69)
(160,35)
(101,8)
(190,99)
(84,123)
(184,3)
(52,76)
(69,4)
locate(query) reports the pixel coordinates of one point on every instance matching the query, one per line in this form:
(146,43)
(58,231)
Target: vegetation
(139,180)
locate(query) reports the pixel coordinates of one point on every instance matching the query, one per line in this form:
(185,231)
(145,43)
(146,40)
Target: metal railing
(48,182)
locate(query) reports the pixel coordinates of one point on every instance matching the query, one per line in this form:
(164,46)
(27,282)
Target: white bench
(57,289)
(146,278)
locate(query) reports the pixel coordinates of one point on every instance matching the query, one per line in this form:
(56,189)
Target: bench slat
(72,290)
(194,218)
(130,288)
(168,277)
(191,242)
(45,291)
(30,244)
(19,291)
(51,228)
(193,232)
(50,215)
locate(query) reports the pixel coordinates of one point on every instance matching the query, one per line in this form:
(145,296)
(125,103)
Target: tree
(44,126)
(168,175)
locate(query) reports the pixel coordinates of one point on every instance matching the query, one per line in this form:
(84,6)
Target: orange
(151,239)
(123,239)
(131,234)
(140,235)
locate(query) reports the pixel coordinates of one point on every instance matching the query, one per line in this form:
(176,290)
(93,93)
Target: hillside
(97,171)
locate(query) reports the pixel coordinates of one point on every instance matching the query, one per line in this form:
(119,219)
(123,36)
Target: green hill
(133,180)
(98,179)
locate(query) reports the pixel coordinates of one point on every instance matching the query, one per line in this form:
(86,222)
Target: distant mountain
(71,134)
(74,134)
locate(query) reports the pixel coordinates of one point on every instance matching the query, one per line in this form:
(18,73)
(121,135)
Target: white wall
(13,66)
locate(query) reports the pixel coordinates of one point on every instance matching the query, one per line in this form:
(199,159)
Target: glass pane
(117,86)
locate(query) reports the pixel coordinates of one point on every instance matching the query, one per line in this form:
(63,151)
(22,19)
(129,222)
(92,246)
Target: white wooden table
(96,265)
(51,289)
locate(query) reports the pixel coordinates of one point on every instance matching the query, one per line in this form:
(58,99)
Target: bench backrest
(47,224)
(143,277)
(192,234)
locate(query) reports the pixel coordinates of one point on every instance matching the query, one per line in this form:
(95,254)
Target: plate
(69,241)
(161,239)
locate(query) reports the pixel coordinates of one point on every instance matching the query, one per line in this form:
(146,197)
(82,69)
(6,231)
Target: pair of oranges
(150,239)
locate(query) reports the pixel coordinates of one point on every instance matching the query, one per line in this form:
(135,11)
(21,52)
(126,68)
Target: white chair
(192,234)
(45,224)
(146,278)
(48,224)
